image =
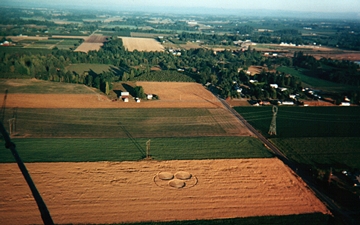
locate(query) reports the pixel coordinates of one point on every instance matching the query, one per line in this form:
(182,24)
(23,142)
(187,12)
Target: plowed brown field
(110,192)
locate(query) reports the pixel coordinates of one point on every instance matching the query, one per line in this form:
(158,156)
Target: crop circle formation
(178,180)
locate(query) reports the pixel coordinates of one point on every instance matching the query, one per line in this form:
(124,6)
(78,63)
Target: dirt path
(114,192)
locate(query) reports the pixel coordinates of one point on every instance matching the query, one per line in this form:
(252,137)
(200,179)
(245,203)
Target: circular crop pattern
(182,175)
(165,176)
(176,183)
(179,180)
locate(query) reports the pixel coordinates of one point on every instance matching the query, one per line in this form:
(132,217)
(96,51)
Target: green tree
(107,88)
(97,82)
(125,76)
(139,92)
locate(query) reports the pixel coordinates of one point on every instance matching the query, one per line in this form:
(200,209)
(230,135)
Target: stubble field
(171,94)
(110,192)
(92,43)
(141,44)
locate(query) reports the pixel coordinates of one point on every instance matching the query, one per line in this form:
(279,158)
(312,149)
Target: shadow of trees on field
(129,89)
(118,93)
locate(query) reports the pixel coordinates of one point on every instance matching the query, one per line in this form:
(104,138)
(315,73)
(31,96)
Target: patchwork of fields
(60,42)
(91,141)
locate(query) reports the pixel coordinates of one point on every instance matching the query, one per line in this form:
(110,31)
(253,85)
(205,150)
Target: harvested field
(181,92)
(95,38)
(92,43)
(20,38)
(114,192)
(238,102)
(86,47)
(255,69)
(69,37)
(141,44)
(172,95)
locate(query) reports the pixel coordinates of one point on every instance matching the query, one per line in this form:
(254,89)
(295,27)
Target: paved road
(332,206)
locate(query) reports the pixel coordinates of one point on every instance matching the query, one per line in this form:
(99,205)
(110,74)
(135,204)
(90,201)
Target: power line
(272,130)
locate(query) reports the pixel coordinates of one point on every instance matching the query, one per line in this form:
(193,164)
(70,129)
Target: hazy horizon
(345,8)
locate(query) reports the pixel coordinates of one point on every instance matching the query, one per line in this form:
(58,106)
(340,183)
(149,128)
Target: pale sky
(333,6)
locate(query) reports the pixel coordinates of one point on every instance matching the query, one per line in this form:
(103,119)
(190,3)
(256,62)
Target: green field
(118,122)
(85,67)
(312,135)
(126,149)
(338,153)
(67,44)
(315,82)
(21,50)
(32,86)
(165,75)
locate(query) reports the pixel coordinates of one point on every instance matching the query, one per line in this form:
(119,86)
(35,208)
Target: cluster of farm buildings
(125,96)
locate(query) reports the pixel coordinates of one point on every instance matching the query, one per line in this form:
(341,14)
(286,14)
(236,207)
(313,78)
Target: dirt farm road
(334,208)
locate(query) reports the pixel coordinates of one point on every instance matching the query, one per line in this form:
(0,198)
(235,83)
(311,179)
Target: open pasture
(141,44)
(116,192)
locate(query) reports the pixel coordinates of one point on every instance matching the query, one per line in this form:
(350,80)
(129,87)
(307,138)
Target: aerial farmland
(209,114)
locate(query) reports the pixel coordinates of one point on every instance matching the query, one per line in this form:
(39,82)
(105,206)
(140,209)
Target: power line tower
(272,130)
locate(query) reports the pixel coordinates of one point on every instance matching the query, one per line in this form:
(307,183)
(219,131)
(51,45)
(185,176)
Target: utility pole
(148,149)
(12,127)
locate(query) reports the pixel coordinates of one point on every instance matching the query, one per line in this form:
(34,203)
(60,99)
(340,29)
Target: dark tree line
(338,71)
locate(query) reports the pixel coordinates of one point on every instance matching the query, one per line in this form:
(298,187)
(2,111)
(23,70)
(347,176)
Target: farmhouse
(287,103)
(292,96)
(124,95)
